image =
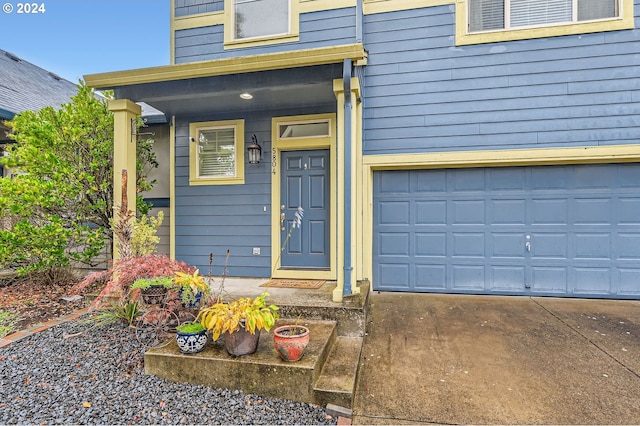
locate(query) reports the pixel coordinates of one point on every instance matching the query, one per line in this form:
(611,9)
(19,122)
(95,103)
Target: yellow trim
(194,180)
(124,154)
(172,188)
(464,159)
(504,158)
(231,43)
(295,144)
(199,20)
(238,65)
(624,22)
(307,6)
(382,6)
(172,32)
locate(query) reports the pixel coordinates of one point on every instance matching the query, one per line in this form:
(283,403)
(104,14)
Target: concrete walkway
(499,360)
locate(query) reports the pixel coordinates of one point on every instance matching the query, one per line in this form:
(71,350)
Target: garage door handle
(527,245)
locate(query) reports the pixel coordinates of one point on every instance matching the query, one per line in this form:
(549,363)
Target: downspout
(348,268)
(359,21)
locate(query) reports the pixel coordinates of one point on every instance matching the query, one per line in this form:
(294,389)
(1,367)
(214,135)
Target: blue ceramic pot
(191,343)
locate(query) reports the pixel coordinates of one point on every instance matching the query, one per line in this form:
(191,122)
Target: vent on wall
(12,56)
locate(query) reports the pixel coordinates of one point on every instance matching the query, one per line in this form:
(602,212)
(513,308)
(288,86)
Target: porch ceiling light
(246,95)
(255,151)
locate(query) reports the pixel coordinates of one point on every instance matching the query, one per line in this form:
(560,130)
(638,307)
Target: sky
(72,38)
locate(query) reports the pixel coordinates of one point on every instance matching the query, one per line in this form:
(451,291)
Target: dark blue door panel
(552,230)
(305,183)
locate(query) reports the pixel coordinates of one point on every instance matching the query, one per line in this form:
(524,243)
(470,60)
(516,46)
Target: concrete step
(337,381)
(262,373)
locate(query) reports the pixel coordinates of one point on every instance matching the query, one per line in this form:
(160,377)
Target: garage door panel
(468,244)
(592,281)
(550,245)
(628,176)
(549,211)
(627,245)
(591,211)
(431,181)
(393,276)
(431,244)
(468,212)
(394,183)
(506,278)
(394,212)
(593,246)
(431,212)
(394,244)
(507,179)
(507,212)
(467,180)
(627,209)
(550,179)
(549,279)
(628,279)
(431,277)
(506,245)
(467,277)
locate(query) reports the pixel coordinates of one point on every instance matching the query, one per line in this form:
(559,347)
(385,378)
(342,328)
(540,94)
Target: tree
(61,197)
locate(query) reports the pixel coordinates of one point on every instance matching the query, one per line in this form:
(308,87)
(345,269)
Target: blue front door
(305,183)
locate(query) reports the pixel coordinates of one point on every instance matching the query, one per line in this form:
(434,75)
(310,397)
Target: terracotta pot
(241,342)
(290,341)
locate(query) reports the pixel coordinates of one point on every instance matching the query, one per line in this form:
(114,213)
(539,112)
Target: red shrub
(127,271)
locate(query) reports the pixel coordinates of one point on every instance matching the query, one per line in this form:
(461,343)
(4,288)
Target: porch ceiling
(276,89)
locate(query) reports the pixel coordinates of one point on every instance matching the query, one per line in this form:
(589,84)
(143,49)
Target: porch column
(125,113)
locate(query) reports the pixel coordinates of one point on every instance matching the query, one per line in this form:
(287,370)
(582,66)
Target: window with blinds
(216,152)
(487,15)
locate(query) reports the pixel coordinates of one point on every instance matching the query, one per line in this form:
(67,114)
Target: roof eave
(226,66)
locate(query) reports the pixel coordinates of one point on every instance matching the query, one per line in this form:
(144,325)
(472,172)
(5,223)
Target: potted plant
(192,288)
(240,322)
(191,337)
(290,341)
(153,290)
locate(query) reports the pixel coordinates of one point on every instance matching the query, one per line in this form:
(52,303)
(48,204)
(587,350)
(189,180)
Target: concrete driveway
(499,360)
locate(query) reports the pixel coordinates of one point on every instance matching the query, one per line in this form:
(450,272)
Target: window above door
(486,21)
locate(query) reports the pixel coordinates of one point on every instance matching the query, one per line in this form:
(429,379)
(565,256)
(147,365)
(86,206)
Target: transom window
(307,129)
(216,152)
(488,15)
(261,18)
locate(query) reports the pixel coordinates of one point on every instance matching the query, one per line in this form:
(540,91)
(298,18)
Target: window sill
(261,41)
(216,181)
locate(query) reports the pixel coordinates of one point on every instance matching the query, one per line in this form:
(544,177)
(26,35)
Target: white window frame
(194,174)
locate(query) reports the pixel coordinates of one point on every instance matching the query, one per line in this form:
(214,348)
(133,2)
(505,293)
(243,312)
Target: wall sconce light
(255,151)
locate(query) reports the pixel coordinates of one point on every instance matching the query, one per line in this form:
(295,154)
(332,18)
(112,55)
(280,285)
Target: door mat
(279,283)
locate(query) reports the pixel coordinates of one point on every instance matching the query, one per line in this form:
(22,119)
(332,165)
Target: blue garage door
(552,230)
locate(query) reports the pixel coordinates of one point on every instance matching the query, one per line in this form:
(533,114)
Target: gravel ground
(61,377)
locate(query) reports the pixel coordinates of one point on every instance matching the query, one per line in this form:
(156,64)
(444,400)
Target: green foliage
(8,323)
(61,195)
(144,239)
(251,314)
(190,327)
(124,311)
(142,283)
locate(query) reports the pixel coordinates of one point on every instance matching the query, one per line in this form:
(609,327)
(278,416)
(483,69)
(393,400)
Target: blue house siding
(424,94)
(192,7)
(212,219)
(317,29)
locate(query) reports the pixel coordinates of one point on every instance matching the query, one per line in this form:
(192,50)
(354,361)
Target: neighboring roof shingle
(24,86)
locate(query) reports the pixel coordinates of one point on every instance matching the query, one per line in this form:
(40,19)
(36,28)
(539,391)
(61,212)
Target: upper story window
(490,21)
(487,15)
(260,18)
(216,153)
